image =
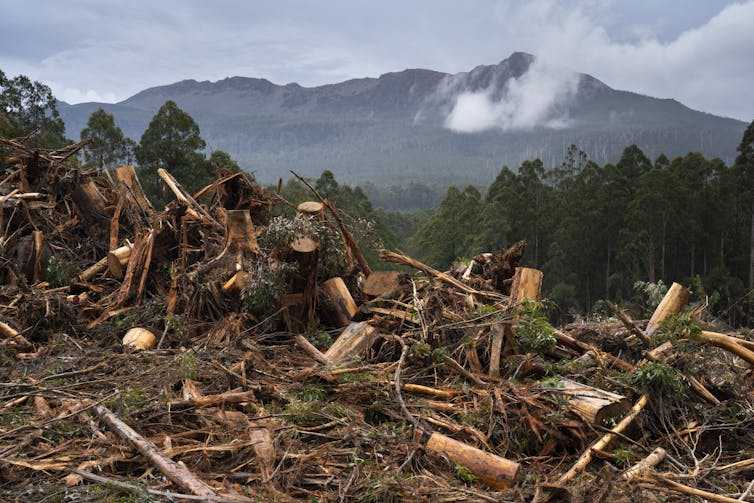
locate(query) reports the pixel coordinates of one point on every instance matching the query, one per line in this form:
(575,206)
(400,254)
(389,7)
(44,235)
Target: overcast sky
(700,52)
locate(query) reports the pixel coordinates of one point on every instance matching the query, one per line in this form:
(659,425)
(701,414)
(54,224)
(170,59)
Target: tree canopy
(108,146)
(172,141)
(28,108)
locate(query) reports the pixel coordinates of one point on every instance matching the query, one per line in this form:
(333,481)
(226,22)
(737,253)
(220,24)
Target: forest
(599,232)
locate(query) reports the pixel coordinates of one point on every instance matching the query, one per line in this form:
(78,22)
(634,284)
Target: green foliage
(464,473)
(222,159)
(187,364)
(172,141)
(59,272)
(624,457)
(651,294)
(28,107)
(450,232)
(321,340)
(533,332)
(108,147)
(283,231)
(659,379)
(678,326)
(261,293)
(130,400)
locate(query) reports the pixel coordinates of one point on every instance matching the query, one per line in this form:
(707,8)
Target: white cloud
(707,67)
(536,99)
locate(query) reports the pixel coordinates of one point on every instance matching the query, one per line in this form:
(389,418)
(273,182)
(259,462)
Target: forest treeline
(595,230)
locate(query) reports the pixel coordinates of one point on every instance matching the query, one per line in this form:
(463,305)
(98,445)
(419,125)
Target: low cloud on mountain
(538,98)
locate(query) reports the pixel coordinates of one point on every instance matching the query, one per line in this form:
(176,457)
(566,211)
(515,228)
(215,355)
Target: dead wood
(491,469)
(176,472)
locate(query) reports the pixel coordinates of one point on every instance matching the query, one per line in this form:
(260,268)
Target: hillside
(404,126)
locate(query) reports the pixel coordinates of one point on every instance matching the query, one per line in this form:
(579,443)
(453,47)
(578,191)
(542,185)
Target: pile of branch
(233,347)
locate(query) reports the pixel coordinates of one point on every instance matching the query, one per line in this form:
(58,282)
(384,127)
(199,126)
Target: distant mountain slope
(423,125)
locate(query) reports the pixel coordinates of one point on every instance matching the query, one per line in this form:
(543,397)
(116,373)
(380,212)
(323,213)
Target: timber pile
(212,351)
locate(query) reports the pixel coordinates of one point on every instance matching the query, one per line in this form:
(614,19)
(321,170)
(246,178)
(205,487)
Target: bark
(526,286)
(300,316)
(126,175)
(593,405)
(177,473)
(338,307)
(90,203)
(493,470)
(652,460)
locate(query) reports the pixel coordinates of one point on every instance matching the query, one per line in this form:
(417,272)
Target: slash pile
(265,360)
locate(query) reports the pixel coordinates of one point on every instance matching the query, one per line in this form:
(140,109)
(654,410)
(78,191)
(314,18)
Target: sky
(700,52)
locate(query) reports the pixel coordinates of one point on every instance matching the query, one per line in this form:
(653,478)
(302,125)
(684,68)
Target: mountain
(424,125)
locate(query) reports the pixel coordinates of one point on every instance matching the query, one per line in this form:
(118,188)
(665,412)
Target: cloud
(538,98)
(707,67)
(697,51)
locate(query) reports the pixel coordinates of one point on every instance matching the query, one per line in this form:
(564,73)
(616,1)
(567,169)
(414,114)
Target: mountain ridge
(397,127)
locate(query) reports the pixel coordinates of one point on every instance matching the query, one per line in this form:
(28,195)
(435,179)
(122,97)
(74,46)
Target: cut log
(126,175)
(672,303)
(177,473)
(140,338)
(593,405)
(381,284)
(604,441)
(355,340)
(117,260)
(526,285)
(310,209)
(491,469)
(194,208)
(338,307)
(7,331)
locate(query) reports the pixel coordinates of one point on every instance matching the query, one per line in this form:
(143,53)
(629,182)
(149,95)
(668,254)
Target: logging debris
(235,347)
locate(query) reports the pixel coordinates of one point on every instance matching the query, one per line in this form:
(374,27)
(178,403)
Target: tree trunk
(305,253)
(672,303)
(526,285)
(126,175)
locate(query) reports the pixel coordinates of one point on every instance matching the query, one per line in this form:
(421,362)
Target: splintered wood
(234,346)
